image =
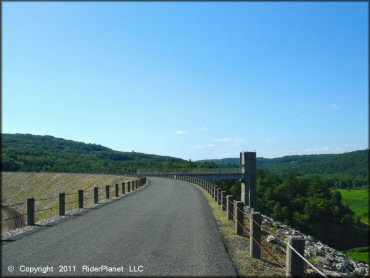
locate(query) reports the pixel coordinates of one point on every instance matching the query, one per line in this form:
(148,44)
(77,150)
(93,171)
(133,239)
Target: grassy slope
(18,186)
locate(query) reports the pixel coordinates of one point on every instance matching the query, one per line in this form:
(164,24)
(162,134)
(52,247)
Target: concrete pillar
(249,183)
(223,200)
(96,195)
(107,192)
(80,198)
(123,188)
(116,190)
(255,235)
(229,206)
(30,211)
(239,217)
(62,204)
(294,264)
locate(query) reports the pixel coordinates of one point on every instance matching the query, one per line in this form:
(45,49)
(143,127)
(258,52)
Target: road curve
(167,229)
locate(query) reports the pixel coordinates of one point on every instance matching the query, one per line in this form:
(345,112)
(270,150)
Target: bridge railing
(234,170)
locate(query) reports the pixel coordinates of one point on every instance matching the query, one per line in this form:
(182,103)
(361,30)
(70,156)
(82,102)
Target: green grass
(358,201)
(361,254)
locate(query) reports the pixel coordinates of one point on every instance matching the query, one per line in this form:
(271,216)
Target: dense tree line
(303,203)
(347,170)
(26,152)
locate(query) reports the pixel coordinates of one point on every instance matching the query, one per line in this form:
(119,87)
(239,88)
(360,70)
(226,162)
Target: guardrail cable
(12,205)
(50,208)
(46,199)
(305,260)
(14,217)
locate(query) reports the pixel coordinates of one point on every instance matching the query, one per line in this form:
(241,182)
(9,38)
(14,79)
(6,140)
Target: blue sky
(190,80)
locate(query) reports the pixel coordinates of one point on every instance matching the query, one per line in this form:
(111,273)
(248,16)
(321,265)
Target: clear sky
(190,80)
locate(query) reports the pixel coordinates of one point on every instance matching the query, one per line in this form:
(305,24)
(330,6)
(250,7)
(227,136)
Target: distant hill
(26,152)
(351,165)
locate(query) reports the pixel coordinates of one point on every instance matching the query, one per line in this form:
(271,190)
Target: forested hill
(351,165)
(26,152)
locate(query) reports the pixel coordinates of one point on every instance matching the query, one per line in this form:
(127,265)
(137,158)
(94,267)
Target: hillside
(26,152)
(351,166)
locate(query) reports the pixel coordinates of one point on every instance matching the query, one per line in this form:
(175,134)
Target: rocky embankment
(326,259)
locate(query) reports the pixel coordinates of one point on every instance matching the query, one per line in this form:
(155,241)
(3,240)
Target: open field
(45,188)
(358,201)
(361,254)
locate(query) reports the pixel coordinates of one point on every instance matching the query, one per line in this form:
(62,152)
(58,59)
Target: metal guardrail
(190,171)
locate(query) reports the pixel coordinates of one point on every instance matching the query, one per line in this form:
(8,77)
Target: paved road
(165,229)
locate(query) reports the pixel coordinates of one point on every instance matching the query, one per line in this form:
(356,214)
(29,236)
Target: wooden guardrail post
(255,235)
(30,211)
(219,196)
(117,190)
(223,200)
(96,195)
(229,206)
(123,188)
(62,204)
(239,217)
(80,198)
(295,264)
(107,192)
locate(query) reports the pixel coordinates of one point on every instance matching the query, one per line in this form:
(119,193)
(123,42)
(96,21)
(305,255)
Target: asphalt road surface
(166,229)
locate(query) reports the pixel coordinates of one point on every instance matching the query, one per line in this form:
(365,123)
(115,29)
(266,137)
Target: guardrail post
(223,200)
(294,264)
(255,235)
(80,198)
(117,190)
(216,192)
(123,188)
(30,211)
(229,206)
(96,195)
(239,217)
(107,192)
(219,196)
(128,187)
(62,204)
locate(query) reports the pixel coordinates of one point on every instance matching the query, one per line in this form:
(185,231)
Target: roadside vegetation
(238,247)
